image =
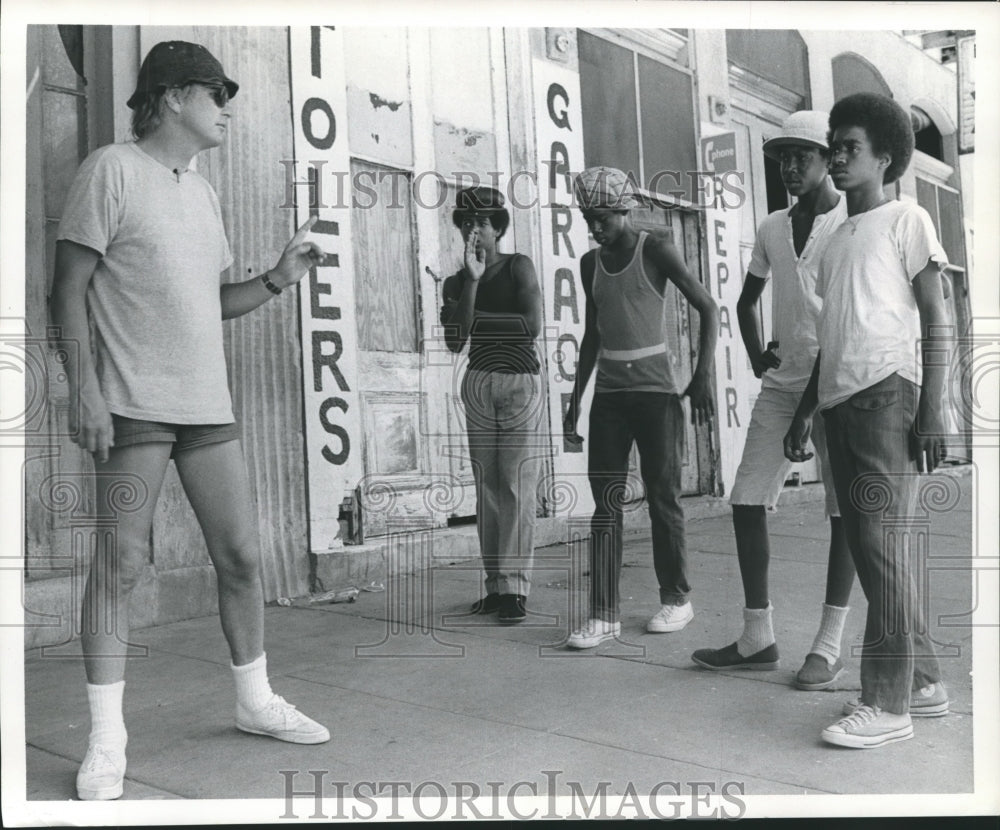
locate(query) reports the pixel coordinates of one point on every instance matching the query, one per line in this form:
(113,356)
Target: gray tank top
(631,321)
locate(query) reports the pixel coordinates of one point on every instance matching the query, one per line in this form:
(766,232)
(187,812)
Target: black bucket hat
(175,63)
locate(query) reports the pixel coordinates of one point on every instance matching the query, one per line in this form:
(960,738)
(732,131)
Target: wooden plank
(384,272)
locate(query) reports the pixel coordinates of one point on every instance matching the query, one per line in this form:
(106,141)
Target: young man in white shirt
(788,248)
(883,304)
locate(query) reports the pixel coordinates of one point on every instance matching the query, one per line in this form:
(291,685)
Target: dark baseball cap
(175,63)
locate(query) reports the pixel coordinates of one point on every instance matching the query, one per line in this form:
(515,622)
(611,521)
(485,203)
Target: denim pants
(868,439)
(655,421)
(503,415)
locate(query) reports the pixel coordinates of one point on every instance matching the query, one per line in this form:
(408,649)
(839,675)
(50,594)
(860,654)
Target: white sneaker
(670,618)
(929,702)
(594,632)
(101,774)
(279,719)
(868,727)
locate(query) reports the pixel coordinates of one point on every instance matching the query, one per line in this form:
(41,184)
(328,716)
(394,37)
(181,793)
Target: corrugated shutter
(262,347)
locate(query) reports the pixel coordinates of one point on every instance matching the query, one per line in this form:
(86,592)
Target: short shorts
(130,431)
(764,468)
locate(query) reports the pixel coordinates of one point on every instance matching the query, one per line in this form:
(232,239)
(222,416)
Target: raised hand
(475,256)
(297,258)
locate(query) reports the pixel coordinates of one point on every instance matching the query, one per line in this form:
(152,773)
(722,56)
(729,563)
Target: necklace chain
(853,220)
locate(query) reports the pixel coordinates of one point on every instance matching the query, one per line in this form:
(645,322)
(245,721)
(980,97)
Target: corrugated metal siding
(262,347)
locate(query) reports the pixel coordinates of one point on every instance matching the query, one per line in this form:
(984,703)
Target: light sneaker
(102,773)
(279,719)
(593,633)
(670,618)
(929,702)
(868,727)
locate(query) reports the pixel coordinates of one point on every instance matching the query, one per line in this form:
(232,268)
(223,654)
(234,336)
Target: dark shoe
(486,605)
(512,608)
(717,659)
(817,674)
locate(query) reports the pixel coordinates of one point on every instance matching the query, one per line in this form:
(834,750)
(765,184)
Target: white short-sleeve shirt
(155,293)
(869,326)
(795,305)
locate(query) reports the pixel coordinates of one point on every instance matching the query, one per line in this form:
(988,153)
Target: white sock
(831,631)
(107,723)
(253,690)
(757,631)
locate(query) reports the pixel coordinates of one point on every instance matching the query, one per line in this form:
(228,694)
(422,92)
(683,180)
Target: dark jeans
(868,439)
(655,421)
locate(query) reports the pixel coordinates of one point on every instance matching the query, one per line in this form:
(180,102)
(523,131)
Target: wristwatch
(270,286)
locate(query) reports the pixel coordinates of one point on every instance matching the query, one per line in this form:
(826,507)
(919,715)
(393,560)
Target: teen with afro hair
(881,286)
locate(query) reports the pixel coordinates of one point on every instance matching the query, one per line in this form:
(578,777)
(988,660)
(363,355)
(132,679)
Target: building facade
(346,396)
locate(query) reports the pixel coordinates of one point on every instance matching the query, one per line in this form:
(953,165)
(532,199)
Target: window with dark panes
(944,207)
(667,117)
(638,114)
(607,100)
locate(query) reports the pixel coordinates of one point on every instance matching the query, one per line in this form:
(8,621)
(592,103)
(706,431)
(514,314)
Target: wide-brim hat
(805,128)
(176,63)
(604,187)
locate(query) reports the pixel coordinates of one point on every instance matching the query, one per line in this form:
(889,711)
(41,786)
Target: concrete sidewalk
(413,690)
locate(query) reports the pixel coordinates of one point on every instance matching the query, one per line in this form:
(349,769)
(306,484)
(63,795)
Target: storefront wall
(419,112)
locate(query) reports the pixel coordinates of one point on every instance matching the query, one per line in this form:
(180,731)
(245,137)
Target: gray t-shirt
(154,297)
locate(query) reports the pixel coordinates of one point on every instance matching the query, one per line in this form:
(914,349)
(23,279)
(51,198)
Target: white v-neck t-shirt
(795,306)
(869,325)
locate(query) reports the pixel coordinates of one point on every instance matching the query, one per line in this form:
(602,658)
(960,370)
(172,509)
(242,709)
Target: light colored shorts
(764,468)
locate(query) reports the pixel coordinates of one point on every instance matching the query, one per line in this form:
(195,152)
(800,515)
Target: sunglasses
(219,93)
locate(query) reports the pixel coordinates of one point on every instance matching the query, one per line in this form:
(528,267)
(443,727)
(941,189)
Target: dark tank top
(501,345)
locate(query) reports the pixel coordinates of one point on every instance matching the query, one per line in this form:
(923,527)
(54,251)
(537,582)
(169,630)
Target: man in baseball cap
(140,254)
(788,248)
(636,398)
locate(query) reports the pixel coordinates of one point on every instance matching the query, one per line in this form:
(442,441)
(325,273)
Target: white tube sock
(253,690)
(757,631)
(831,632)
(107,722)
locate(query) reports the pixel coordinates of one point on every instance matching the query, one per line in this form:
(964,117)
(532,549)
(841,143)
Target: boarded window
(385,280)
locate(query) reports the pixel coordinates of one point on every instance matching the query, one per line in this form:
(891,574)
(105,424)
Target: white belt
(633,354)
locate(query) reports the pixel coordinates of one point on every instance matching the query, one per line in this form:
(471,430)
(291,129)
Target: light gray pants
(503,414)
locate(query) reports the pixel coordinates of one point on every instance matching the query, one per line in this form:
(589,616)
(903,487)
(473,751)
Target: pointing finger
(300,234)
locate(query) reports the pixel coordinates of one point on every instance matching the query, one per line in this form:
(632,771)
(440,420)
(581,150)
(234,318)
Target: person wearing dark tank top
(635,398)
(494,303)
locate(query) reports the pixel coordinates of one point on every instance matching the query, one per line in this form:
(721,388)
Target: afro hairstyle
(886,123)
